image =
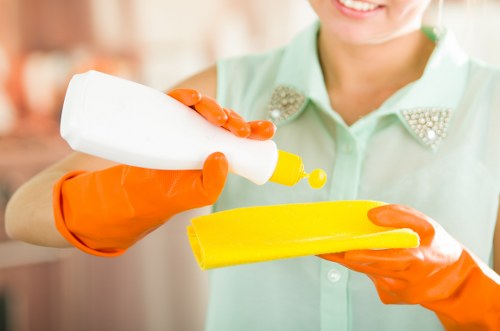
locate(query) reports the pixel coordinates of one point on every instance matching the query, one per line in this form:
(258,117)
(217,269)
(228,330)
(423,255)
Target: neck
(370,67)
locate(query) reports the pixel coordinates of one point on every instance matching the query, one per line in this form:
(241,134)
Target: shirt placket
(350,144)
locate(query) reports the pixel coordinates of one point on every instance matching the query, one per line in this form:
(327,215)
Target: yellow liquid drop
(316,179)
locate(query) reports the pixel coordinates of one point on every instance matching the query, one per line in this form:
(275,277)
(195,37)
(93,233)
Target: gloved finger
(389,259)
(189,97)
(399,216)
(236,124)
(388,297)
(369,268)
(211,110)
(340,259)
(389,288)
(261,130)
(214,175)
(333,257)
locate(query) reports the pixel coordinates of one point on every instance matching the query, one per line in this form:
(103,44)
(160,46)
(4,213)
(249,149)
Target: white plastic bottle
(133,124)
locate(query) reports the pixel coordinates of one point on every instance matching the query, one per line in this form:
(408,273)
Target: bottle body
(133,124)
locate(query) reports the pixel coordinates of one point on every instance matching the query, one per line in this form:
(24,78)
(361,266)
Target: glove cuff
(57,206)
(476,302)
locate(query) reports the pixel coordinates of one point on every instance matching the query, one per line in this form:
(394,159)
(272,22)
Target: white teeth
(358,5)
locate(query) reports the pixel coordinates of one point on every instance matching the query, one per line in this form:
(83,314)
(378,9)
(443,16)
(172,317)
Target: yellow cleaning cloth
(255,234)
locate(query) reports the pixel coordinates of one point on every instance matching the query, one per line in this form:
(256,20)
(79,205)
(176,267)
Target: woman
(391,110)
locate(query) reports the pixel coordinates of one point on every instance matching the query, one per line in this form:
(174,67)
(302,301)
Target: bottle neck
(290,170)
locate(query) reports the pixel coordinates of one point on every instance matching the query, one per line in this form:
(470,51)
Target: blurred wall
(156,285)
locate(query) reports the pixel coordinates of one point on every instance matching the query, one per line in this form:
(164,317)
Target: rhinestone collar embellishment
(285,102)
(430,125)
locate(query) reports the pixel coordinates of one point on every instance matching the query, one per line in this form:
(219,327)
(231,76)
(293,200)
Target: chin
(359,35)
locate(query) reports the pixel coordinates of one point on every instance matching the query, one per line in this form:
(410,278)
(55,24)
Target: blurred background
(156,285)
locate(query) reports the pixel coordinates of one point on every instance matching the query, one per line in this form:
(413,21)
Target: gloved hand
(105,212)
(228,119)
(440,274)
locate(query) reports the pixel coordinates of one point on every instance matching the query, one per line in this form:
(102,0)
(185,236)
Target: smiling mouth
(360,6)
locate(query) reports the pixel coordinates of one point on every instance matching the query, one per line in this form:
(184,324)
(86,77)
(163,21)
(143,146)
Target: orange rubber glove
(440,274)
(105,212)
(228,119)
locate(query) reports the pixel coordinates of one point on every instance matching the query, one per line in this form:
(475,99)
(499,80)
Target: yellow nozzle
(290,170)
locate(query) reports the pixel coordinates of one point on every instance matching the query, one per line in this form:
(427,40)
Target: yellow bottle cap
(290,170)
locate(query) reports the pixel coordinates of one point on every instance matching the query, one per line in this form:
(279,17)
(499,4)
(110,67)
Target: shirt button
(334,275)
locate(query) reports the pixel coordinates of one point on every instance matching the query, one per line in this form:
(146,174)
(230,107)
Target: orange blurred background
(157,284)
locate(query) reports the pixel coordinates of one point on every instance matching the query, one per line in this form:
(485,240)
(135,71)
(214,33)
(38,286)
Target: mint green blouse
(434,145)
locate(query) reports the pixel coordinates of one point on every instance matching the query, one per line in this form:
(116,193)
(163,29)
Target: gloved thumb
(214,174)
(399,216)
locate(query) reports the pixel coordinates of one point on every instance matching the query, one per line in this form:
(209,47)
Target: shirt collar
(439,89)
(300,70)
(446,72)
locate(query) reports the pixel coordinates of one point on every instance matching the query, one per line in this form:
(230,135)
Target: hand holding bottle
(226,118)
(440,274)
(105,212)
(133,124)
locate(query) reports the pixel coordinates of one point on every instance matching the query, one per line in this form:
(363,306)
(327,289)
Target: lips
(357,9)
(358,5)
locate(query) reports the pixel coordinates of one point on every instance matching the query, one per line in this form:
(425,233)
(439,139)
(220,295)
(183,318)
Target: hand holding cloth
(440,274)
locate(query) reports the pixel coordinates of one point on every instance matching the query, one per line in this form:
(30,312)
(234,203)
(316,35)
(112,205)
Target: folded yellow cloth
(255,234)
